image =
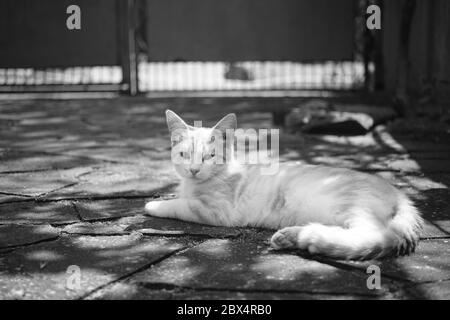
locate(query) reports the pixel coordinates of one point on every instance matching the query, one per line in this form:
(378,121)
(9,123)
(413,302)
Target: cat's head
(200,153)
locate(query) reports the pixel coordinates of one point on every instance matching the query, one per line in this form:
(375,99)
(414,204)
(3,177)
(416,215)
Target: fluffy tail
(406,227)
(359,242)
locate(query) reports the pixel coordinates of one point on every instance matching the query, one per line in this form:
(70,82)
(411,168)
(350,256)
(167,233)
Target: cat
(334,212)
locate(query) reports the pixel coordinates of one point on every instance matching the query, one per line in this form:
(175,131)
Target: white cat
(334,212)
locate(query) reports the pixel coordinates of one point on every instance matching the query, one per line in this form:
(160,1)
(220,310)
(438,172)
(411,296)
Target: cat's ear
(174,122)
(227,122)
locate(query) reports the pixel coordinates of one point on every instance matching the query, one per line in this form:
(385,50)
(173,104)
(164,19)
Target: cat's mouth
(198,179)
(191,176)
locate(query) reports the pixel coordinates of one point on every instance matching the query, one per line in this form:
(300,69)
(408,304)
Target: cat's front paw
(154,208)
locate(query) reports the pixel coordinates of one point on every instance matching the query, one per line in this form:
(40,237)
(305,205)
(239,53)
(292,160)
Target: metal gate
(38,52)
(252,44)
(169,45)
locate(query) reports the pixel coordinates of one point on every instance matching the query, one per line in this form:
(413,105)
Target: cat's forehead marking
(201,134)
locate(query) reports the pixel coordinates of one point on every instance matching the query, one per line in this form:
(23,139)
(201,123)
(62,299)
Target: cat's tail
(405,226)
(360,241)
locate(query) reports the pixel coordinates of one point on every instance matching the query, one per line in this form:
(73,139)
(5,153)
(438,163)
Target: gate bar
(128,47)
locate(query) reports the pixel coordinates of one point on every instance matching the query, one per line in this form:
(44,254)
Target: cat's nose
(194,171)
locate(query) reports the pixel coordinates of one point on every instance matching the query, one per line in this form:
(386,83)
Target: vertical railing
(127,12)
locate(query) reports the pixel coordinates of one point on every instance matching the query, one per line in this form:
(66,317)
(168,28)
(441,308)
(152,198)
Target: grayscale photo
(224,157)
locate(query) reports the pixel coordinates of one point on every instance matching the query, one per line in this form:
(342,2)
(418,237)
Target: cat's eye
(184,154)
(209,156)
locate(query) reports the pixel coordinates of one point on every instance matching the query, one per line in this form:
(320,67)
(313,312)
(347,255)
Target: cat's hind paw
(285,239)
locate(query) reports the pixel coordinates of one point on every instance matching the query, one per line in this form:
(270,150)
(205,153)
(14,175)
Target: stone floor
(75,174)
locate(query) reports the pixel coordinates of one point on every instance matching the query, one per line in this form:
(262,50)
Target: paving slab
(436,229)
(44,271)
(412,145)
(439,290)
(249,266)
(9,198)
(130,291)
(32,212)
(114,180)
(112,226)
(13,161)
(140,151)
(95,229)
(171,227)
(428,264)
(19,235)
(35,184)
(434,204)
(92,210)
(150,226)
(394,162)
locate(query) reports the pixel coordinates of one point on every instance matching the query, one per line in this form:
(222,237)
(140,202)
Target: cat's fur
(334,212)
